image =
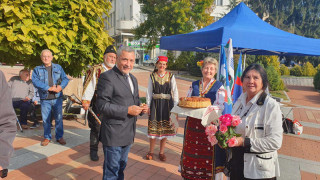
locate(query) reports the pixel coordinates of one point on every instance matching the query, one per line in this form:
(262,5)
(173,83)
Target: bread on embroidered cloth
(194,102)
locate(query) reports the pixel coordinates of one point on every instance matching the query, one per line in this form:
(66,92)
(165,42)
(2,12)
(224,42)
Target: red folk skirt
(198,154)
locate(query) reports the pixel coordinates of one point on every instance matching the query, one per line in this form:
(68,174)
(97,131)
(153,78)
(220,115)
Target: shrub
(296,71)
(269,61)
(316,80)
(284,70)
(275,81)
(318,67)
(308,69)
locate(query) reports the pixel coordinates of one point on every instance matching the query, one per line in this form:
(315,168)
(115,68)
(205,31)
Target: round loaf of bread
(194,102)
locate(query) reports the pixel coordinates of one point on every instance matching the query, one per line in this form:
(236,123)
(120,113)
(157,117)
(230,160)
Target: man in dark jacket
(118,103)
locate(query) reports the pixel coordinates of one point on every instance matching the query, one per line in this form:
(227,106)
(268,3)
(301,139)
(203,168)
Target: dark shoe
(24,126)
(162,157)
(61,141)
(45,142)
(94,156)
(35,125)
(149,156)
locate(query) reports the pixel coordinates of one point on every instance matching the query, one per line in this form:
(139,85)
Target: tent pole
(244,61)
(218,71)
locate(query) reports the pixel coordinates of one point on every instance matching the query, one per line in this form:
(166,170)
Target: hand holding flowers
(224,135)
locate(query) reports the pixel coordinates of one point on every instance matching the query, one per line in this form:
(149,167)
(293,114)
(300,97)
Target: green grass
(279,94)
(190,77)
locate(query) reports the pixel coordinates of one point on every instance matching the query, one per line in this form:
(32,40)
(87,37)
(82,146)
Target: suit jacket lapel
(135,85)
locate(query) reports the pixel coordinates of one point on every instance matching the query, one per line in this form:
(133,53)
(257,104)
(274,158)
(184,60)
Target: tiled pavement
(299,155)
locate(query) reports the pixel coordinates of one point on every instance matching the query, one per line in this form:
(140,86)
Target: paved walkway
(299,155)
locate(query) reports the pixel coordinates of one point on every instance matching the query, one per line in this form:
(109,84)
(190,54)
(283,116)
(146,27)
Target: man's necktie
(126,77)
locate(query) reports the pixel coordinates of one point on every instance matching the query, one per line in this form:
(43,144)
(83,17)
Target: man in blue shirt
(50,80)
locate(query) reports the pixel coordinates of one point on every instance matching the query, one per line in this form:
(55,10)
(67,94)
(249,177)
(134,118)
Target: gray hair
(45,50)
(210,60)
(124,48)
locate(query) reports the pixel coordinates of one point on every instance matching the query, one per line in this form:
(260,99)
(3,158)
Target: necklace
(202,93)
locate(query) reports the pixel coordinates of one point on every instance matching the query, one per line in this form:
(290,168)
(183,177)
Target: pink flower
(225,119)
(236,121)
(212,139)
(232,142)
(211,129)
(223,128)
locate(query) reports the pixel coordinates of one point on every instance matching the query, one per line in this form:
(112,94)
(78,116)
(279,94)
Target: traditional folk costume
(89,94)
(162,95)
(199,158)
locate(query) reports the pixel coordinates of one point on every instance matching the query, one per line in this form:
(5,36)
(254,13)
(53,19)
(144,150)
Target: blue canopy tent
(249,34)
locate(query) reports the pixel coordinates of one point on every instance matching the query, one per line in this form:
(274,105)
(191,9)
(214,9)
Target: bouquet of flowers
(224,134)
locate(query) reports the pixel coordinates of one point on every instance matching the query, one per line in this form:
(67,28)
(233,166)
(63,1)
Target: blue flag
(224,78)
(238,84)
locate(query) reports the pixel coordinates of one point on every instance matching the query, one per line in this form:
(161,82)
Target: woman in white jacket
(255,156)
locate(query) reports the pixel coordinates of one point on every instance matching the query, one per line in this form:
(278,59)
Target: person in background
(199,160)
(119,105)
(255,155)
(89,96)
(162,95)
(8,126)
(22,94)
(50,79)
(35,103)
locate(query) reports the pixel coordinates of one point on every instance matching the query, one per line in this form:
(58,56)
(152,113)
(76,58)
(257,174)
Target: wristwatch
(3,173)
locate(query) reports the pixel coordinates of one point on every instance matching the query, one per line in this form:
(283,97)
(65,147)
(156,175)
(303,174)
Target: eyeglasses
(46,56)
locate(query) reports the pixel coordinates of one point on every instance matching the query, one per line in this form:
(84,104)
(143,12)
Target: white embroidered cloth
(207,115)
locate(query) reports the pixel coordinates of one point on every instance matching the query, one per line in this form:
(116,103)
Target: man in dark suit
(118,104)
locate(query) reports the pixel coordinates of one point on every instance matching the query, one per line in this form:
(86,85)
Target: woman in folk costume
(199,159)
(162,95)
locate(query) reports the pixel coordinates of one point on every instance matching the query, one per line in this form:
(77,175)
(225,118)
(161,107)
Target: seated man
(35,103)
(22,93)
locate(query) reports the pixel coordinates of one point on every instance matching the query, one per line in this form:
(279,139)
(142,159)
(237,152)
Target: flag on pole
(225,80)
(230,63)
(238,84)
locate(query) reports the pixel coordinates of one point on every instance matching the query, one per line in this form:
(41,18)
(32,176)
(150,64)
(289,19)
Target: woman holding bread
(162,95)
(198,159)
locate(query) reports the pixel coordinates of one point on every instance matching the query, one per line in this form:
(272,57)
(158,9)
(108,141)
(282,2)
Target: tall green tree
(164,18)
(301,17)
(72,29)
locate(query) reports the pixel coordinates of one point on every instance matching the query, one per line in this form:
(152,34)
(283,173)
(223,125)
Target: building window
(219,2)
(131,13)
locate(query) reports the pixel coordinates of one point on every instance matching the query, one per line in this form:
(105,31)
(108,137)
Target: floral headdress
(200,63)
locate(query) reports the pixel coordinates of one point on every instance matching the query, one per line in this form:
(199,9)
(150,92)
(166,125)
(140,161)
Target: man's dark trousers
(94,127)
(24,107)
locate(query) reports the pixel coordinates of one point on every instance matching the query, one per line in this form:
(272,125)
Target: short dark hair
(24,70)
(261,71)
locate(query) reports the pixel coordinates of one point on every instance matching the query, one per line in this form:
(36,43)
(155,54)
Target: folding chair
(21,130)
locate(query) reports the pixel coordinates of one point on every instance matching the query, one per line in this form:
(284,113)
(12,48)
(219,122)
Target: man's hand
(58,89)
(52,88)
(144,107)
(85,104)
(35,102)
(134,110)
(26,99)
